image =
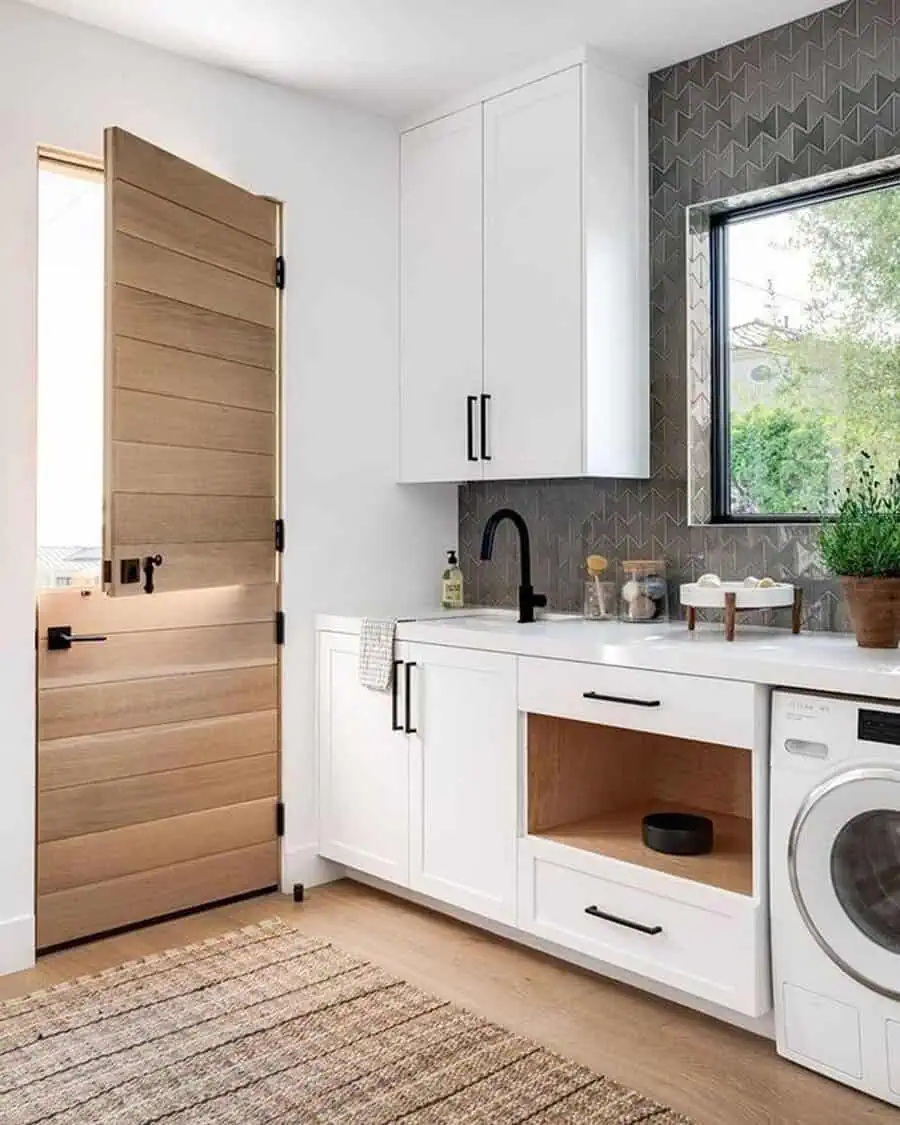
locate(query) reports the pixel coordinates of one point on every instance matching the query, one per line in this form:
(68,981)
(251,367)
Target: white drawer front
(685,706)
(713,955)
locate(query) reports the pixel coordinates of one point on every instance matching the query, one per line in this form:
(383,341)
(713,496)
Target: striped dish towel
(376,653)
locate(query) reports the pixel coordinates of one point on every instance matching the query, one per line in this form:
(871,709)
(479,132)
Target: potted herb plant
(861,545)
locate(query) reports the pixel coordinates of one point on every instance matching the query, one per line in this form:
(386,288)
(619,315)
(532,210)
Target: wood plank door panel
(159,742)
(158,755)
(115,903)
(87,860)
(191,390)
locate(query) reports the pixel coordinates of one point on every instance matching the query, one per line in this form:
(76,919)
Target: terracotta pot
(874,605)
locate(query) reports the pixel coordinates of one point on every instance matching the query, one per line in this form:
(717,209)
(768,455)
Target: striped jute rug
(267,1027)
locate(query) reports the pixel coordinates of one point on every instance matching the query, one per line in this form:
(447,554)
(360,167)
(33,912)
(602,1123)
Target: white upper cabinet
(533,347)
(556,204)
(441,300)
(616,423)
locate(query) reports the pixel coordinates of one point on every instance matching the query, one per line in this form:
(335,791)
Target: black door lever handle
(60,637)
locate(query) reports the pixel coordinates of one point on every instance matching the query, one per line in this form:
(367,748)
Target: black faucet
(528,599)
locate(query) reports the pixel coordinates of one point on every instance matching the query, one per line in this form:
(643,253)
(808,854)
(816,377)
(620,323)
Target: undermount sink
(481,619)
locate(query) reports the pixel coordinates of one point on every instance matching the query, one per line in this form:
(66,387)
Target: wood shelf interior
(589,786)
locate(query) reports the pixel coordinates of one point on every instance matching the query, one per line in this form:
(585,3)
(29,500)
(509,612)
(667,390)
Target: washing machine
(835,887)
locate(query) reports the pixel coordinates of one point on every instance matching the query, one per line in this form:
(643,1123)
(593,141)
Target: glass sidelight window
(70,311)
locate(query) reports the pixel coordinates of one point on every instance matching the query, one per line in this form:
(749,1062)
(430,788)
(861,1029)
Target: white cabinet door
(463,777)
(441,299)
(533,279)
(363,766)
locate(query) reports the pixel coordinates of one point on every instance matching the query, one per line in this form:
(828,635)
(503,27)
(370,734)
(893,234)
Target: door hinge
(279,818)
(279,627)
(279,535)
(280,270)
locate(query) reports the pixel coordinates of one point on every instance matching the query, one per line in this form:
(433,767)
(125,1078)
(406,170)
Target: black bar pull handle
(621,699)
(408,727)
(596,912)
(471,400)
(485,456)
(61,637)
(395,676)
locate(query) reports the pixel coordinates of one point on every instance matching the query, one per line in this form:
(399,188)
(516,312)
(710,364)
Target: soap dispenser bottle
(452,584)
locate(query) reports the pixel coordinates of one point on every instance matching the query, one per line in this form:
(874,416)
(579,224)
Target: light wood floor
(715,1074)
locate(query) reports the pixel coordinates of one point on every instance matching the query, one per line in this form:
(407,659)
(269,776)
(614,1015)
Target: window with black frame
(806,349)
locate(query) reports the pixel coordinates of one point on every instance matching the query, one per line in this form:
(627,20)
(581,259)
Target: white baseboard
(305,865)
(763,1026)
(17,944)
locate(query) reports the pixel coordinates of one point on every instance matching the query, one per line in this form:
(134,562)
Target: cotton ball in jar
(631,591)
(641,608)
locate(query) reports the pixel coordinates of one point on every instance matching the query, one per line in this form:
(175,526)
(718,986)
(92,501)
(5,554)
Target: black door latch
(150,563)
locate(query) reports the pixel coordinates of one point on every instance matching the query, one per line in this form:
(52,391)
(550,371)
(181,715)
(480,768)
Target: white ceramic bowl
(748,597)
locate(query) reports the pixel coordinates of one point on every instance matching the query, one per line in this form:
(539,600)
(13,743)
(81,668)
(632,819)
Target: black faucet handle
(528,602)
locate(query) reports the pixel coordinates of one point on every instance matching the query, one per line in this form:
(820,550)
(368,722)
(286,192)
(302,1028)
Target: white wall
(356,542)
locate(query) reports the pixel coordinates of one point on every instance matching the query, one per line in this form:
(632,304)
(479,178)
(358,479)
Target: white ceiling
(397,57)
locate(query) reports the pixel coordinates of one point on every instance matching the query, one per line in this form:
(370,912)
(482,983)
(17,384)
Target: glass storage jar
(599,599)
(643,590)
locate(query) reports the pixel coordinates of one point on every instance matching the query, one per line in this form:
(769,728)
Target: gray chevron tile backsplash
(817,95)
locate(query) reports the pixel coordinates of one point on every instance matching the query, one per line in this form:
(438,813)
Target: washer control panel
(879,726)
(814,732)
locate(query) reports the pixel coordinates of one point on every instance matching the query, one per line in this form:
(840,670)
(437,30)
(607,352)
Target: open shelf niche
(589,786)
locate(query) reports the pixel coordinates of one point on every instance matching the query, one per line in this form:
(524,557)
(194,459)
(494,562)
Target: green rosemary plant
(863,539)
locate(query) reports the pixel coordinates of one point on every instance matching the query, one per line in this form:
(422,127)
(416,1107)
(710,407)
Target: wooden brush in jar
(599,602)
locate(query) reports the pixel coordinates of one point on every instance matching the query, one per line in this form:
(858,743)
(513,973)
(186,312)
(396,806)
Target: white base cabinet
(463,790)
(363,767)
(418,785)
(447,787)
(685,935)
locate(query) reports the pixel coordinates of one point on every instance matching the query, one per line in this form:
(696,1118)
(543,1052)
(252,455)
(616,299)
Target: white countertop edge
(823,662)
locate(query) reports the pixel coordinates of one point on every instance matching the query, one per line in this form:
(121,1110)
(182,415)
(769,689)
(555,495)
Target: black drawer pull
(621,699)
(409,728)
(596,912)
(395,675)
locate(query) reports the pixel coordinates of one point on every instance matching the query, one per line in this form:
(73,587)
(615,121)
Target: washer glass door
(844,862)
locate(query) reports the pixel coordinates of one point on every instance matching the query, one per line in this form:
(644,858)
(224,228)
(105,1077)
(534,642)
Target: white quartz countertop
(813,661)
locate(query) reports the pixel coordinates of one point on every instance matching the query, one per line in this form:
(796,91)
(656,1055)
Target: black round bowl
(678,833)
